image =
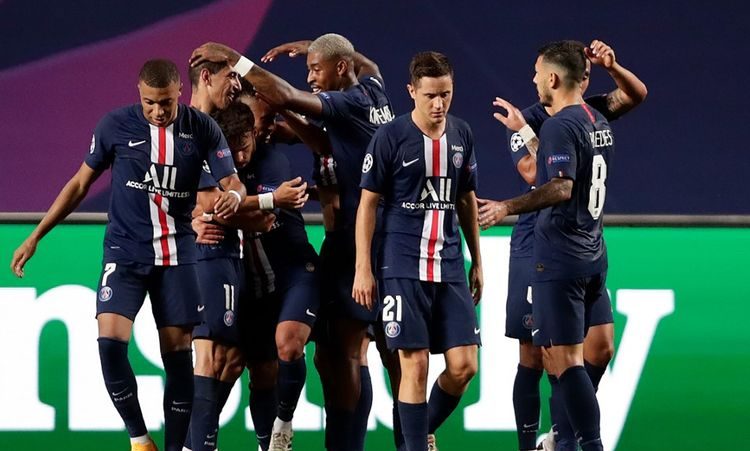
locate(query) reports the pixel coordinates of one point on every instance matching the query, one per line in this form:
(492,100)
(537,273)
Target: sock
(362,413)
(414,425)
(526,405)
(398,435)
(340,425)
(178,397)
(440,407)
(582,406)
(204,421)
(595,373)
(565,439)
(121,386)
(263,405)
(223,391)
(291,380)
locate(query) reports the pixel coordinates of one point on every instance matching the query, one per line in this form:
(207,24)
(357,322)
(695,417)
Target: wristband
(526,133)
(236,194)
(243,66)
(265,201)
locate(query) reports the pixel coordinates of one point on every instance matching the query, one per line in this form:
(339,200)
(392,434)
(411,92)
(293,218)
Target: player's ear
(342,67)
(411,90)
(205,75)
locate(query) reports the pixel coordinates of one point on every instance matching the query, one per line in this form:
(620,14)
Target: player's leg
(390,362)
(121,292)
(412,397)
(461,364)
(599,344)
(364,405)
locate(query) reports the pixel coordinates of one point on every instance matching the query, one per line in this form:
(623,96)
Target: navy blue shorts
(518,316)
(173,291)
(300,302)
(221,282)
(428,315)
(565,309)
(337,258)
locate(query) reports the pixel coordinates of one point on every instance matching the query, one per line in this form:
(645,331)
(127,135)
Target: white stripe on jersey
(434,220)
(156,226)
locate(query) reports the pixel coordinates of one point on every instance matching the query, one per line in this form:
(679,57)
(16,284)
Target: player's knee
(291,349)
(600,353)
(463,372)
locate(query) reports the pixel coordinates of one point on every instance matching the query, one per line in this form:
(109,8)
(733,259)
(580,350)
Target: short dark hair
(569,56)
(429,64)
(159,73)
(194,73)
(235,120)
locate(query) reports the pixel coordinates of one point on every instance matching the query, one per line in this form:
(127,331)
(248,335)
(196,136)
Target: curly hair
(235,120)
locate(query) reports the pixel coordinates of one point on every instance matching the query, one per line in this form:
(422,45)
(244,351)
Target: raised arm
(313,136)
(363,66)
(515,121)
(630,91)
(69,198)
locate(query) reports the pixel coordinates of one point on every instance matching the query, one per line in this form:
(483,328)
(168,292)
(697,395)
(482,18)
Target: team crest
(393,329)
(367,164)
(186,149)
(105,293)
(229,318)
(309,267)
(458,159)
(528,321)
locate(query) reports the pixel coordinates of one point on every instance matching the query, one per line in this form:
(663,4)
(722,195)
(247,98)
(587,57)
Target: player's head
(431,85)
(560,67)
(218,83)
(265,116)
(160,88)
(236,122)
(586,77)
(330,63)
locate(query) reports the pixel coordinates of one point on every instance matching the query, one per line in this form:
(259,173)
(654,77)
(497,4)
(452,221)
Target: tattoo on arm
(616,105)
(553,192)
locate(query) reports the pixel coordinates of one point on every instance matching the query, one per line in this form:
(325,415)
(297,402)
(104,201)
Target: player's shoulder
(125,114)
(398,127)
(373,82)
(193,115)
(535,115)
(565,121)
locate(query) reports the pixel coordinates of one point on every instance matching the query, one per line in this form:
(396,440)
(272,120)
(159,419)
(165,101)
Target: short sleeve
(217,154)
(207,180)
(336,104)
(377,163)
(557,150)
(516,147)
(101,152)
(468,177)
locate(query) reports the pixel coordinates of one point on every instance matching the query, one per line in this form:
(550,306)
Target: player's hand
(514,120)
(291,194)
(227,204)
(363,290)
(206,231)
(215,53)
(290,48)
(476,282)
(491,212)
(24,252)
(259,221)
(600,54)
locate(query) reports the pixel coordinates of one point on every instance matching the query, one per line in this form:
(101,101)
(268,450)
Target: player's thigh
(518,311)
(406,313)
(221,282)
(559,312)
(454,318)
(175,296)
(598,302)
(120,295)
(300,299)
(563,357)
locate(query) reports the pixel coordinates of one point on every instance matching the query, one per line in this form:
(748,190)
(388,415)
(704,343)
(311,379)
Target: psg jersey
(420,179)
(155,174)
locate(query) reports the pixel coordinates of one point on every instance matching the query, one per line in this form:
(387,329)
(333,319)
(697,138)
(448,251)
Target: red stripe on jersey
(591,116)
(158,199)
(435,157)
(162,145)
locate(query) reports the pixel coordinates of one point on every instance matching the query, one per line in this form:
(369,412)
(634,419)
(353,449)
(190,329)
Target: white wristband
(243,66)
(526,133)
(236,194)
(265,201)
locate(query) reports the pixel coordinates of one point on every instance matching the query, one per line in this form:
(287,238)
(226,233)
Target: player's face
(432,97)
(322,74)
(586,79)
(542,74)
(265,117)
(160,104)
(223,87)
(243,149)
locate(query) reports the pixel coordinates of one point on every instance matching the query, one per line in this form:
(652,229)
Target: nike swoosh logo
(201,307)
(119,393)
(476,331)
(534,332)
(309,313)
(409,163)
(209,437)
(181,403)
(136,143)
(526,426)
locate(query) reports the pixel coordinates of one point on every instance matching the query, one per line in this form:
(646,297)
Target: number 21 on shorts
(392,308)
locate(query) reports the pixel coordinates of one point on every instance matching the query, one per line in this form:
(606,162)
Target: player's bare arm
(315,138)
(363,66)
(229,200)
(70,196)
(275,90)
(207,232)
(630,92)
(466,208)
(551,193)
(363,290)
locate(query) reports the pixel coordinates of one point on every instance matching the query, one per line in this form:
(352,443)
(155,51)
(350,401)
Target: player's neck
(348,81)
(201,103)
(564,99)
(430,129)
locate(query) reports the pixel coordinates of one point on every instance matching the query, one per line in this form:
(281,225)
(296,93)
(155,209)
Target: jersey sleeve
(376,167)
(207,180)
(516,147)
(101,153)
(557,150)
(468,177)
(217,154)
(336,105)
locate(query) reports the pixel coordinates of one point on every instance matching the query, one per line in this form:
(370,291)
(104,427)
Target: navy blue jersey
(419,180)
(269,254)
(577,143)
(155,173)
(522,238)
(351,117)
(231,245)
